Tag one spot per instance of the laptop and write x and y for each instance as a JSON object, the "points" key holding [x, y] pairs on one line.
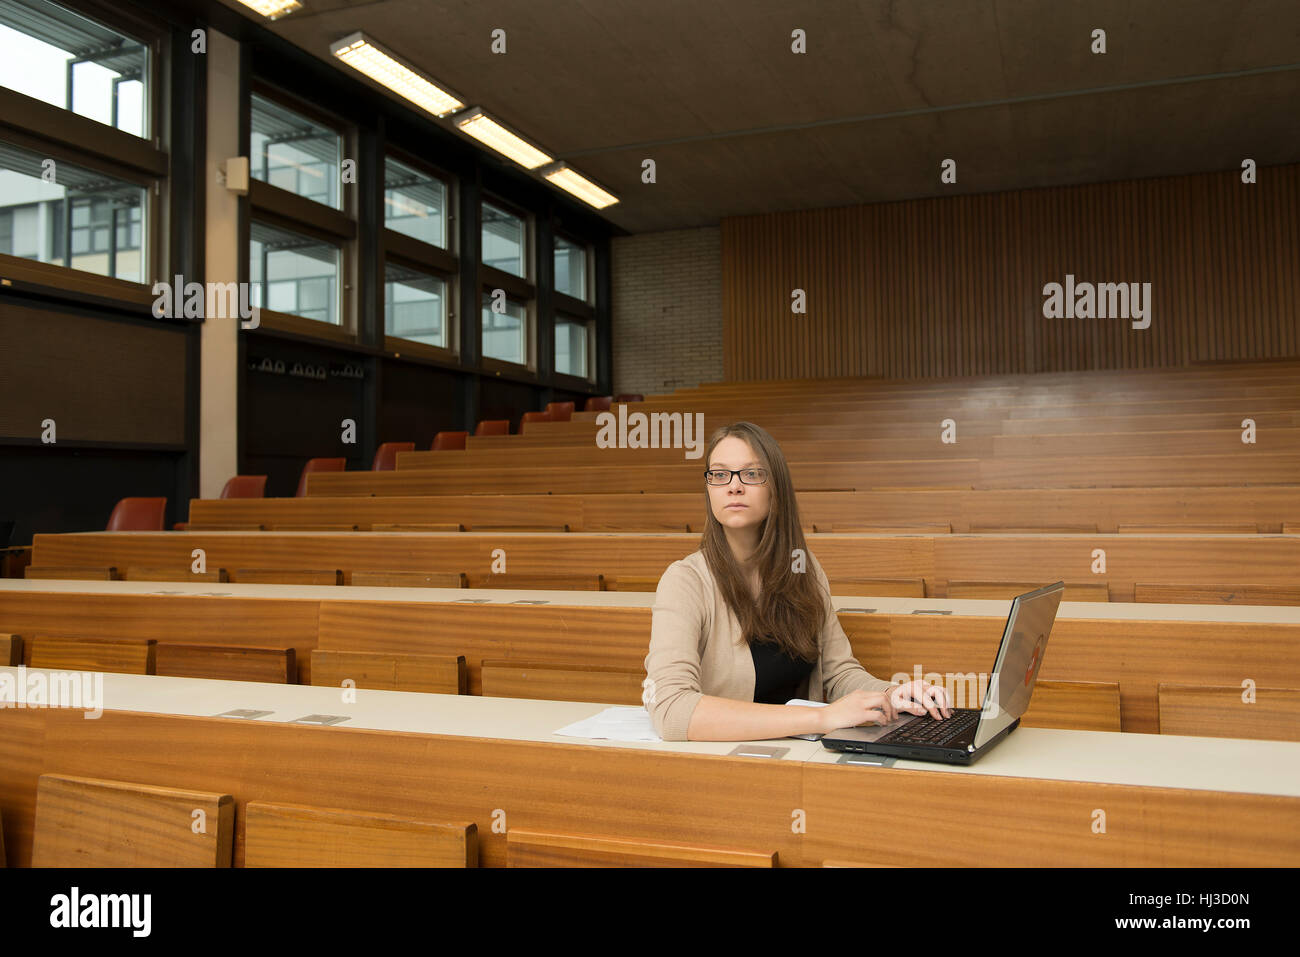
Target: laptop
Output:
{"points": [[970, 732]]}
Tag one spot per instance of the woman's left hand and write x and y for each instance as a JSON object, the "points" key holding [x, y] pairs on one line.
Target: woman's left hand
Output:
{"points": [[922, 697]]}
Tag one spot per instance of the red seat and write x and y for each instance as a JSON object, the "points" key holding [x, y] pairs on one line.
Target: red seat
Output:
{"points": [[598, 403], [138, 515], [493, 427], [630, 397], [386, 455], [318, 465], [533, 417], [245, 486], [560, 411], [449, 440]]}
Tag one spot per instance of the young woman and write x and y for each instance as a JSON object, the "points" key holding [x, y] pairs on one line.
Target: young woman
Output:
{"points": [[746, 623]]}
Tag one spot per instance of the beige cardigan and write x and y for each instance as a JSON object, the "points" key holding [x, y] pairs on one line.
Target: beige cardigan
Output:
{"points": [[697, 649]]}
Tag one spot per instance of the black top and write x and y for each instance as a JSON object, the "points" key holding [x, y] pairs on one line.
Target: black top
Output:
{"points": [[777, 676]]}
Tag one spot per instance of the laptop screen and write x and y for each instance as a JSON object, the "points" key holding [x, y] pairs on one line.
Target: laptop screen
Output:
{"points": [[1020, 656]]}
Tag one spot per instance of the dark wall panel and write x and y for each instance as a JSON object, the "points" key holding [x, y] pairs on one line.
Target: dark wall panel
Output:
{"points": [[99, 380], [417, 402]]}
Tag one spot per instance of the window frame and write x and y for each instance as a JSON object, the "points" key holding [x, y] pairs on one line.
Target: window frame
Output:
{"points": [[412, 253], [522, 289], [288, 210], [67, 137]]}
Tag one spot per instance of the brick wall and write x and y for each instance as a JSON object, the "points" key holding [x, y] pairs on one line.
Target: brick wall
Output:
{"points": [[667, 315]]}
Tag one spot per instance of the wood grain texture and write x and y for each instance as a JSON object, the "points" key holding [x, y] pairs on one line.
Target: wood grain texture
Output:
{"points": [[435, 674], [539, 849], [289, 576], [170, 573], [11, 649], [1265, 507], [986, 258], [409, 579], [547, 681], [1217, 594], [199, 619], [226, 663], [60, 653], [278, 835], [1139, 655], [1074, 591], [102, 573], [628, 793], [1221, 712], [966, 822], [89, 822]]}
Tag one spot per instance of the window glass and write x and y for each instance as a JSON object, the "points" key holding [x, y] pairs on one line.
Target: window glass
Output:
{"points": [[415, 203], [504, 332], [415, 305], [504, 244], [293, 273], [294, 153]]}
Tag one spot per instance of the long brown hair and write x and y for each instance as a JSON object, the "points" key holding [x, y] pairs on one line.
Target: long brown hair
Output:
{"points": [[790, 608]]}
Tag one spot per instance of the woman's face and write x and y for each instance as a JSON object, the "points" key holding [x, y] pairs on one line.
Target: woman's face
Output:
{"points": [[737, 505]]}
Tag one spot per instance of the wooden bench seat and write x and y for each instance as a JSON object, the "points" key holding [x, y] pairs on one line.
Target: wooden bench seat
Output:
{"points": [[289, 576], [526, 580]]}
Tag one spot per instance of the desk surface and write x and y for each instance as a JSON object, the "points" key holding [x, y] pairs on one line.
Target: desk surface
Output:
{"points": [[1122, 611], [1149, 760]]}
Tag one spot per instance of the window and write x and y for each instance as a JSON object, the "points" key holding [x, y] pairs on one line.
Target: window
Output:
{"points": [[571, 346], [504, 241], [68, 61], [83, 220], [294, 153], [415, 306], [415, 203], [570, 268], [505, 331], [294, 274]]}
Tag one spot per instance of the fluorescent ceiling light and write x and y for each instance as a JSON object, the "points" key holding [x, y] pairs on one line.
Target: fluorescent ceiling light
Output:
{"points": [[366, 56], [274, 9], [492, 134], [572, 181]]}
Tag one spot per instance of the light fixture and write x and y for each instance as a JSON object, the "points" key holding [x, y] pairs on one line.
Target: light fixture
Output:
{"points": [[493, 135], [571, 181], [272, 9], [366, 56]]}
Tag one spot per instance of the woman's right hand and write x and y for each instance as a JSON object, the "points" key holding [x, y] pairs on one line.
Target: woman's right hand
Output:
{"points": [[855, 708]]}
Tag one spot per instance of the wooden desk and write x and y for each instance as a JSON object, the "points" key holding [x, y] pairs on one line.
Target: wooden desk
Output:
{"points": [[1184, 801]]}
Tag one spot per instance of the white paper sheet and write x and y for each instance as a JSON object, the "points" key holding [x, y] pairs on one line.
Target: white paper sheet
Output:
{"points": [[614, 724]]}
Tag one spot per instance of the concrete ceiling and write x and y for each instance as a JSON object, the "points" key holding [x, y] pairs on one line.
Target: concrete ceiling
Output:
{"points": [[738, 124]]}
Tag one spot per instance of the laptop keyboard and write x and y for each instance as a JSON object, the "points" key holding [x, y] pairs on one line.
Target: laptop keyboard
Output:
{"points": [[929, 731]]}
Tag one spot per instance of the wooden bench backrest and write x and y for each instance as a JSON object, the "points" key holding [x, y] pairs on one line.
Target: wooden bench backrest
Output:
{"points": [[410, 579], [90, 822], [1139, 655], [540, 849], [227, 663], [555, 681], [128, 656], [281, 835], [436, 674], [1074, 591], [289, 576], [1217, 594], [94, 573], [1221, 712], [172, 573]]}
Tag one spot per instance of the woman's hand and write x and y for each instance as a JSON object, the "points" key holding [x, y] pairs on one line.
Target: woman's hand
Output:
{"points": [[921, 697], [855, 708]]}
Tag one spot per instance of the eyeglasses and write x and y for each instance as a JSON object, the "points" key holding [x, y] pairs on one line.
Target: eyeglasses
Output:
{"points": [[747, 476]]}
